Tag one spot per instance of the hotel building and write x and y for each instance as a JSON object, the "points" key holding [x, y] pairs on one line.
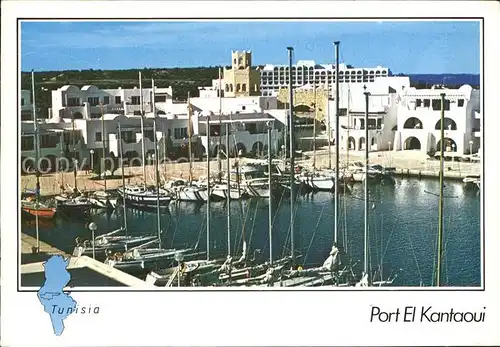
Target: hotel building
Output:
{"points": [[419, 120], [275, 77]]}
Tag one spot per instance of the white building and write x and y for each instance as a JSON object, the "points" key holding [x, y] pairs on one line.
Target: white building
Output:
{"points": [[419, 121], [70, 101], [26, 105], [247, 133], [274, 77], [212, 91], [56, 140]]}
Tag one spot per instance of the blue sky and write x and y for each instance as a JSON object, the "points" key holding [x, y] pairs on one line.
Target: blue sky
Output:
{"points": [[408, 47]]}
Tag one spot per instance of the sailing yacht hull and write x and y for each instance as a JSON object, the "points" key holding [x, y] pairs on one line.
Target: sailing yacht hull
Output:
{"points": [[41, 212], [148, 260], [145, 199], [73, 206], [319, 183], [116, 244], [103, 203], [221, 193], [192, 194], [196, 267]]}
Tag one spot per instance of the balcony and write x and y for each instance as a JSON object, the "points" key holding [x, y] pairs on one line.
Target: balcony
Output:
{"points": [[370, 127]]}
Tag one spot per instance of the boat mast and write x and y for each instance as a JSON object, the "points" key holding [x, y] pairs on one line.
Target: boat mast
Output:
{"points": [[123, 179], [269, 180], [75, 163], [208, 186], [219, 162], [329, 130], [365, 268], [103, 171], [37, 173], [292, 159], [142, 130], [441, 200], [337, 144], [228, 198], [348, 123], [164, 135], [314, 125], [189, 140], [157, 173]]}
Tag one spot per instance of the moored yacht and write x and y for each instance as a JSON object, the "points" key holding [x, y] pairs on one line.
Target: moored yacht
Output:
{"points": [[187, 191], [141, 196], [472, 181]]}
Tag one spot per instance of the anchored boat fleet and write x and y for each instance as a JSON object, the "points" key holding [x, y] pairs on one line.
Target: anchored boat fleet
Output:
{"points": [[144, 254]]}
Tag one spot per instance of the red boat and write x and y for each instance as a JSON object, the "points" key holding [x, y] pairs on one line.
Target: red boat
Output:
{"points": [[42, 211]]}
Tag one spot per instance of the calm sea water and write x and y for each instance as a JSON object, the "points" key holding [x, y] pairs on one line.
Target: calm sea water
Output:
{"points": [[403, 223]]}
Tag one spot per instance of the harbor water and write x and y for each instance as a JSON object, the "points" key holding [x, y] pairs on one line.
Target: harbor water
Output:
{"points": [[403, 225]]}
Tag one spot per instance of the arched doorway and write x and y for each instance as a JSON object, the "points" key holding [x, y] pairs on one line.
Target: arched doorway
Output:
{"points": [[450, 145], [361, 143], [219, 148], [412, 143], [413, 123], [239, 149], [351, 143], [257, 148], [132, 158], [449, 124]]}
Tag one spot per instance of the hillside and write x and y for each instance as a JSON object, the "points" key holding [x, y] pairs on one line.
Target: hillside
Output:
{"points": [[182, 80]]}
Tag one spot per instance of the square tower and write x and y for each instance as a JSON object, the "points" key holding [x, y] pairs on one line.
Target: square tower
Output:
{"points": [[240, 79]]}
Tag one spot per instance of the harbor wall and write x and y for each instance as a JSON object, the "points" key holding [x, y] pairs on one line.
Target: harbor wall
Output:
{"points": [[407, 164]]}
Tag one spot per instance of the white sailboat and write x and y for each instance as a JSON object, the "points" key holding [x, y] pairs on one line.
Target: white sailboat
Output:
{"points": [[366, 277], [112, 241], [140, 258], [188, 190]]}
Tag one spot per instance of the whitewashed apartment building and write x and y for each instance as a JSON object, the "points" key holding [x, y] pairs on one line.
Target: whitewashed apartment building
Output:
{"points": [[89, 102], [419, 121], [382, 113], [26, 105], [274, 77]]}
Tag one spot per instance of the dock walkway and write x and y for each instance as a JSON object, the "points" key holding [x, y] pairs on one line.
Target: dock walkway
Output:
{"points": [[29, 254]]}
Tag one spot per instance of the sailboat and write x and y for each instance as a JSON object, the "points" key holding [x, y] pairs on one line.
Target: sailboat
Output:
{"points": [[267, 272], [103, 199], [191, 269], [332, 270], [143, 196], [112, 241], [140, 258], [31, 204], [74, 204], [366, 276], [188, 191]]}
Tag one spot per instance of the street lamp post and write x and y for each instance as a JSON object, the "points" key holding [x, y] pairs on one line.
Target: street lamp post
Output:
{"points": [[179, 257], [93, 227], [92, 160]]}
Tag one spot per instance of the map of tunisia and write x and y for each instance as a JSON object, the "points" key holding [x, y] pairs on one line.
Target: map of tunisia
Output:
{"points": [[56, 303]]}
